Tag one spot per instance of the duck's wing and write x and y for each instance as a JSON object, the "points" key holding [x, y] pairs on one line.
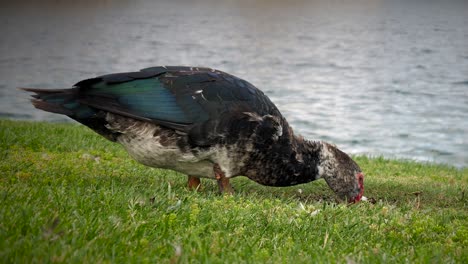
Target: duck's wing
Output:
{"points": [[201, 102]]}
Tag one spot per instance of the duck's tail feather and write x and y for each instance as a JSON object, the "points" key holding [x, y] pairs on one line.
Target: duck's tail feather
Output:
{"points": [[60, 101], [68, 102]]}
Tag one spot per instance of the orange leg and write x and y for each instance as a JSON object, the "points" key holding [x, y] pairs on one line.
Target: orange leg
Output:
{"points": [[223, 182], [193, 183]]}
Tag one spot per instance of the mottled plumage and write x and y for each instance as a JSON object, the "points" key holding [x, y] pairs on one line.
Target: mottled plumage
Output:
{"points": [[204, 123]]}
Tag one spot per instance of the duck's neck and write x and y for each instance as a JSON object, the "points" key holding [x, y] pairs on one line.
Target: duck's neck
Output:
{"points": [[287, 163]]}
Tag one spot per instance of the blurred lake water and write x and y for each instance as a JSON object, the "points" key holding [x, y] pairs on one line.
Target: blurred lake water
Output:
{"points": [[374, 77]]}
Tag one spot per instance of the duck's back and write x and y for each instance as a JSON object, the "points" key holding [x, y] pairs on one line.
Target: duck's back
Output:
{"points": [[200, 102]]}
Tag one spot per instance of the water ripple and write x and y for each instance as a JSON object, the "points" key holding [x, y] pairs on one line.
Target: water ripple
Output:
{"points": [[367, 78]]}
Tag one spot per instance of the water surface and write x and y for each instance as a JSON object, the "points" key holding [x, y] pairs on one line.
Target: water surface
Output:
{"points": [[373, 77]]}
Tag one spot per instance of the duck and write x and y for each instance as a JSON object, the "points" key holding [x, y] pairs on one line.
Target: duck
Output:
{"points": [[204, 123]]}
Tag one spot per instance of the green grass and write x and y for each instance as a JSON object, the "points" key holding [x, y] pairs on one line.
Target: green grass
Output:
{"points": [[69, 196]]}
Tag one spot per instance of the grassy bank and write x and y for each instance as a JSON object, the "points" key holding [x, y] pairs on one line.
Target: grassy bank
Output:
{"points": [[68, 195]]}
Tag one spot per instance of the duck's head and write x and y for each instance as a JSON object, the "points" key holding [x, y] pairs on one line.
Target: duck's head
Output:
{"points": [[341, 173]]}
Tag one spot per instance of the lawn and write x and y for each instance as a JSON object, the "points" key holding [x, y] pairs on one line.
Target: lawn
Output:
{"points": [[69, 196]]}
